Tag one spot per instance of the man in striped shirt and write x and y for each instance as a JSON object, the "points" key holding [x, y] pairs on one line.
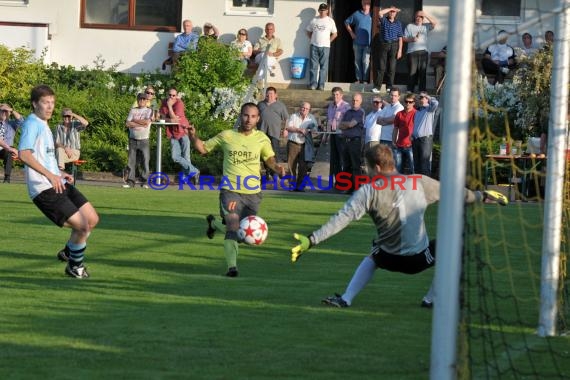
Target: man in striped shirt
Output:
{"points": [[391, 42]]}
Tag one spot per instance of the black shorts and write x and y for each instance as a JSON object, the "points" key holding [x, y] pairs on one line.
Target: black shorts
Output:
{"points": [[237, 203], [405, 264], [60, 207]]}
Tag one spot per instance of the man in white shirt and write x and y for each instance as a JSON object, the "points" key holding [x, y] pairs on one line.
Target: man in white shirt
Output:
{"points": [[416, 35], [499, 58], [298, 126], [322, 31], [371, 127], [387, 115]]}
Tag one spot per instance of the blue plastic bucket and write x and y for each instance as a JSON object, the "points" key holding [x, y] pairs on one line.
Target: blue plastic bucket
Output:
{"points": [[298, 67]]}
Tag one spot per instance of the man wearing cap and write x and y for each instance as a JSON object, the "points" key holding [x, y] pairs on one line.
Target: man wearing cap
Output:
{"points": [[499, 58], [67, 142], [422, 136], [322, 31], [138, 122], [8, 129]]}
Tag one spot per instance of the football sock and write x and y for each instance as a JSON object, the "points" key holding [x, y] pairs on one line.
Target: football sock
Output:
{"points": [[231, 252], [76, 252], [218, 225], [429, 295], [361, 277]]}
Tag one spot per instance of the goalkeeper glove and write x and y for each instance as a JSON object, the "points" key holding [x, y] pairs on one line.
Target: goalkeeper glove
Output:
{"points": [[495, 196], [298, 250]]}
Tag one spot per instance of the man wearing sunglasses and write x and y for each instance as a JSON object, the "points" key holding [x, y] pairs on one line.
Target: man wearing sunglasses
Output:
{"points": [[67, 141], [8, 129]]}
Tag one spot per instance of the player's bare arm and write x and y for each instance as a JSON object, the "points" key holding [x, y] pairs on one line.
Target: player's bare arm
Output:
{"points": [[272, 164], [198, 144]]}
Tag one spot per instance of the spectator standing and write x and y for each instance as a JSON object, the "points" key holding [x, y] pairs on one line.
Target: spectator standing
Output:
{"points": [[172, 110], [67, 140], [236, 200], [499, 58], [151, 101], [402, 135], [359, 26], [188, 40], [321, 31], [49, 189], [273, 115], [528, 49], [424, 129], [335, 112], [352, 127], [416, 35], [8, 129], [299, 125], [138, 122], [387, 116], [273, 53], [391, 43], [371, 126], [439, 68], [243, 46]]}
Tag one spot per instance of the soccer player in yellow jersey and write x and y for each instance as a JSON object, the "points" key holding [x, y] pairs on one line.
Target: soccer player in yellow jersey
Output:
{"points": [[240, 189]]}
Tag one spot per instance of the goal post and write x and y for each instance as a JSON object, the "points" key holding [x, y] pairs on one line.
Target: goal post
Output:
{"points": [[557, 145]]}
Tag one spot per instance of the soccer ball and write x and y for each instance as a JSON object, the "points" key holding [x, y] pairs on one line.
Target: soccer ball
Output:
{"points": [[253, 230]]}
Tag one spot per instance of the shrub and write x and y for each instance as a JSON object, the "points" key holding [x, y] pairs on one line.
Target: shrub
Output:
{"points": [[19, 73]]}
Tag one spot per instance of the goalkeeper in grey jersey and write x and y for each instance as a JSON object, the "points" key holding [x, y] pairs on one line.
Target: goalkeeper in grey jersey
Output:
{"points": [[396, 203]]}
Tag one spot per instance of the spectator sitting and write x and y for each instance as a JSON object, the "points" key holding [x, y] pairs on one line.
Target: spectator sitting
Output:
{"points": [[548, 40], [67, 142], [243, 46], [439, 68], [274, 52], [184, 41], [499, 58], [527, 49], [210, 31]]}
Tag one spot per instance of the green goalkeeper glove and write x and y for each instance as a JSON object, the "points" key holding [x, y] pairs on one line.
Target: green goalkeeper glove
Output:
{"points": [[495, 196], [298, 250]]}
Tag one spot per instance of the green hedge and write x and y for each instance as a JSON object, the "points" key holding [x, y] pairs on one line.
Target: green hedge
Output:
{"points": [[210, 81]]}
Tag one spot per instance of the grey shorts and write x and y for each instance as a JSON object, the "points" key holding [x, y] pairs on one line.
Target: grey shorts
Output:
{"points": [[237, 203]]}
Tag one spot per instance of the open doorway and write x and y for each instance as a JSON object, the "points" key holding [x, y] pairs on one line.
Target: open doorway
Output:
{"points": [[341, 64]]}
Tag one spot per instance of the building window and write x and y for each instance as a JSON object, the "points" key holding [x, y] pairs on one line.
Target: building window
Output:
{"points": [[251, 3], [14, 3], [163, 15], [504, 10], [249, 7]]}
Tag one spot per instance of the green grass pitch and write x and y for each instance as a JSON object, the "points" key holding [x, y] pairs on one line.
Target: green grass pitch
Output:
{"points": [[157, 305]]}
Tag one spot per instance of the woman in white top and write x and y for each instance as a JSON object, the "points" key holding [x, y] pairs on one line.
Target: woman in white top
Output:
{"points": [[242, 44]]}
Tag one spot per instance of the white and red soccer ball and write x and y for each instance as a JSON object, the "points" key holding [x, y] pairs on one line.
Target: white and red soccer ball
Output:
{"points": [[253, 230]]}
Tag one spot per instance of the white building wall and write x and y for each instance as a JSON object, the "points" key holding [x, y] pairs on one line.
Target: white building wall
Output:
{"points": [[144, 51]]}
